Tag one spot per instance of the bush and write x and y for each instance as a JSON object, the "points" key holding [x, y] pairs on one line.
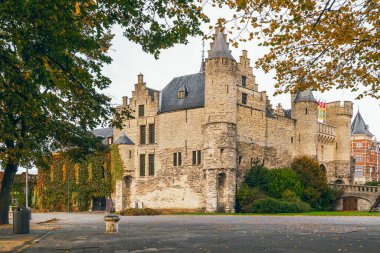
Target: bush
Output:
{"points": [[139, 212], [314, 180], [246, 196], [282, 180], [258, 176], [272, 205]]}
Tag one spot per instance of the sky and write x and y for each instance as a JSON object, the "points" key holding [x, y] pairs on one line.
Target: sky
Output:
{"points": [[129, 60]]}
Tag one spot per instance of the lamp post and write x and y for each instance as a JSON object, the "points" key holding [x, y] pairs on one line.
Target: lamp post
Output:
{"points": [[26, 187]]}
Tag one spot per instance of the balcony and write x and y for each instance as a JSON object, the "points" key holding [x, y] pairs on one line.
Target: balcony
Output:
{"points": [[326, 133]]}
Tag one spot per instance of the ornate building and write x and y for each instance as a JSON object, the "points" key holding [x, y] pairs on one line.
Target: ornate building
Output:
{"points": [[190, 145], [365, 150]]}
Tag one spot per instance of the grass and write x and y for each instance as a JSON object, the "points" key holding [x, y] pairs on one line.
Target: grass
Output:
{"points": [[321, 213]]}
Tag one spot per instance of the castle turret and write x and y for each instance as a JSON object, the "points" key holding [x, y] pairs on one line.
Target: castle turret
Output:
{"points": [[219, 141], [339, 115], [305, 112]]}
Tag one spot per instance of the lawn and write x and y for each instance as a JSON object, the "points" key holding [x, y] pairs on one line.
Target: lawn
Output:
{"points": [[322, 213]]}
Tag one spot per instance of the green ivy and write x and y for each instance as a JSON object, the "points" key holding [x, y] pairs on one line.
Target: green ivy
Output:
{"points": [[58, 194], [116, 165]]}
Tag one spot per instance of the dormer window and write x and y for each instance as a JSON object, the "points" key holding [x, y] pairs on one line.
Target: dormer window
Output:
{"points": [[182, 92], [110, 140]]}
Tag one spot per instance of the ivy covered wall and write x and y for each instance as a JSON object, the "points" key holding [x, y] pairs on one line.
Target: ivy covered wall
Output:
{"points": [[69, 185]]}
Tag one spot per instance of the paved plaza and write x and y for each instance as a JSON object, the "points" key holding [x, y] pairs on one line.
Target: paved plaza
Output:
{"points": [[84, 232]]}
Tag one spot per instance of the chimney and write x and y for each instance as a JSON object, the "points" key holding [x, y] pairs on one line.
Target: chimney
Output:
{"points": [[125, 100]]}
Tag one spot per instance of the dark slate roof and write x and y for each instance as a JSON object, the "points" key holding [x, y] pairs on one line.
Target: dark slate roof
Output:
{"points": [[288, 113], [220, 48], [268, 113], [195, 98], [151, 93], [103, 132], [123, 139], [305, 96], [359, 127]]}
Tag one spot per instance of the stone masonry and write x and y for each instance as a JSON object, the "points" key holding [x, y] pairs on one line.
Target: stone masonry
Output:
{"points": [[191, 144]]}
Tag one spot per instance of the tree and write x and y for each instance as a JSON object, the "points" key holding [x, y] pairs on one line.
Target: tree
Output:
{"points": [[319, 44], [51, 59], [316, 191]]}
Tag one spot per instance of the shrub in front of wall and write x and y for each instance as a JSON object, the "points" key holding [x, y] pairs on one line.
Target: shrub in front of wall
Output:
{"points": [[139, 212], [246, 196], [281, 180], [272, 205]]}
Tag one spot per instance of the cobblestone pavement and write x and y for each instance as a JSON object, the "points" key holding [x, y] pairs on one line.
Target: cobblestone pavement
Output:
{"points": [[84, 232]]}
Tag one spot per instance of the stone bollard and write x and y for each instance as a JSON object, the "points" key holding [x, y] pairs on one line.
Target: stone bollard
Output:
{"points": [[10, 215], [112, 223]]}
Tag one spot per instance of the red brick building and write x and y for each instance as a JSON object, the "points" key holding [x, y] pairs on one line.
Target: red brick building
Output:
{"points": [[365, 151]]}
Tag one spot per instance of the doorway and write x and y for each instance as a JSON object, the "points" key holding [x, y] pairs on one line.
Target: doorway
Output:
{"points": [[350, 204]]}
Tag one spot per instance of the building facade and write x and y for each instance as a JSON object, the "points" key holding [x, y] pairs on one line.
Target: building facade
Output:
{"points": [[365, 151], [189, 145]]}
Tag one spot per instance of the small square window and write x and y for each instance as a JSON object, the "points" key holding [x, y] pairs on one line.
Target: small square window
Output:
{"points": [[181, 94]]}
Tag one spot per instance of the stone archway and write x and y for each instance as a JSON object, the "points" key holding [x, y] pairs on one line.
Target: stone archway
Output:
{"points": [[323, 168], [339, 181], [221, 192]]}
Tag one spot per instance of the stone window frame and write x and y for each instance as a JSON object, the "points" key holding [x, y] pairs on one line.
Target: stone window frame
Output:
{"points": [[142, 165], [141, 110], [151, 160], [244, 98], [197, 157], [142, 134], [244, 81], [177, 159], [151, 131]]}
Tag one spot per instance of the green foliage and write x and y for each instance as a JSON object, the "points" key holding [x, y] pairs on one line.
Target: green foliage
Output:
{"points": [[116, 165], [258, 176], [281, 180], [298, 189], [372, 183], [139, 212], [58, 194], [51, 58], [246, 196], [273, 205], [316, 191]]}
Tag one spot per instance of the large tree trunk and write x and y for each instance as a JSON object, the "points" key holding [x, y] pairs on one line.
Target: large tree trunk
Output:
{"points": [[5, 192]]}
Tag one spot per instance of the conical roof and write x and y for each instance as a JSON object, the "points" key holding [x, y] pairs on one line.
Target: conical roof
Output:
{"points": [[359, 126], [220, 48], [305, 96], [123, 139]]}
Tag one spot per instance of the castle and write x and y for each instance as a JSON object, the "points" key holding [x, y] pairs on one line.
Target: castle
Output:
{"points": [[190, 145]]}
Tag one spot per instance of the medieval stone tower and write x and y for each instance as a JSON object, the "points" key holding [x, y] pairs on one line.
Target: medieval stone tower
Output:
{"points": [[219, 139], [305, 112], [340, 114]]}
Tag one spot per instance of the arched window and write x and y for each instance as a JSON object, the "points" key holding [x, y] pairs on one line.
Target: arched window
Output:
{"points": [[104, 165], [51, 173], [64, 173], [76, 169], [89, 171]]}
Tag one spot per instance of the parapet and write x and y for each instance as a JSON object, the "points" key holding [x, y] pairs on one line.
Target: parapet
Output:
{"points": [[340, 108]]}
